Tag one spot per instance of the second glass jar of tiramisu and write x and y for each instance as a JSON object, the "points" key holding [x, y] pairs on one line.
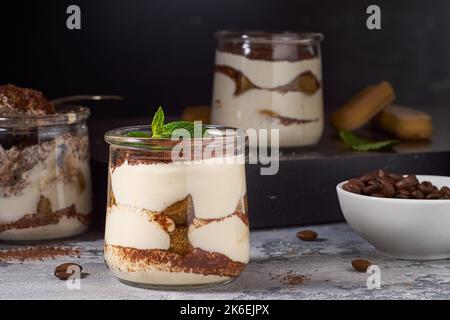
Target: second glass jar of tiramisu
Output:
{"points": [[176, 223], [270, 81], [45, 182]]}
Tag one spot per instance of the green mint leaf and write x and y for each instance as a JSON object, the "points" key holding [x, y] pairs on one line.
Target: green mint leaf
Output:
{"points": [[158, 123], [360, 144], [170, 127], [375, 145], [138, 134]]}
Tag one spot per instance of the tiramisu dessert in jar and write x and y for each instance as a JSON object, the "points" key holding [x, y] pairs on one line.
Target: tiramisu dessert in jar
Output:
{"points": [[270, 81], [176, 223], [45, 183]]}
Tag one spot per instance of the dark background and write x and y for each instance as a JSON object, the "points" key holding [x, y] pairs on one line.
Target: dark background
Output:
{"points": [[162, 52]]}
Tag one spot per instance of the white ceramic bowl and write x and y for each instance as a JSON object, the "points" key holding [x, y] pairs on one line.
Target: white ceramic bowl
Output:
{"points": [[401, 228]]}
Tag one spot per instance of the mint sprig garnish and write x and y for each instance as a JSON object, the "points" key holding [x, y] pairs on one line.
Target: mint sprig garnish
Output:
{"points": [[165, 130], [162, 130], [361, 144], [158, 123]]}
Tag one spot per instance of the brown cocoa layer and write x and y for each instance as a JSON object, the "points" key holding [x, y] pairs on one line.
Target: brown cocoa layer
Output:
{"points": [[43, 217], [286, 121], [23, 157], [198, 261], [25, 101], [306, 82], [201, 222], [37, 253], [270, 51]]}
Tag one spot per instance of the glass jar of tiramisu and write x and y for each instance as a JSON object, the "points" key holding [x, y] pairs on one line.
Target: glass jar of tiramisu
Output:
{"points": [[176, 218], [270, 81], [45, 182]]}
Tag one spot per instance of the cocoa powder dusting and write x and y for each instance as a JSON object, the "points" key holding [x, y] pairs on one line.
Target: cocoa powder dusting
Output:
{"points": [[196, 261], [285, 120], [290, 278], [37, 253], [305, 82]]}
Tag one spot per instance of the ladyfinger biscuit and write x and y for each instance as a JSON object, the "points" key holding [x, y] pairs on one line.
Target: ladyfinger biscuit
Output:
{"points": [[405, 123], [363, 107]]}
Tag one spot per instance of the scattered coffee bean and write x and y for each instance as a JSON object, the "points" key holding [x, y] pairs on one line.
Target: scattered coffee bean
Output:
{"points": [[361, 265], [307, 235], [384, 184], [62, 271]]}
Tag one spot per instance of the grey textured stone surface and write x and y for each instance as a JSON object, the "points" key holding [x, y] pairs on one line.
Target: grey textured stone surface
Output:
{"points": [[326, 262]]}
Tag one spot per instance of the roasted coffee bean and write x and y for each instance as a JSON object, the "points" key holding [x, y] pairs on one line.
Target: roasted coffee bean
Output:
{"points": [[361, 265], [371, 188], [388, 189], [411, 180], [65, 270], [395, 177], [351, 187], [417, 194], [384, 184], [307, 235], [357, 182], [426, 187], [402, 185], [404, 192], [445, 191], [369, 176], [433, 195], [381, 173]]}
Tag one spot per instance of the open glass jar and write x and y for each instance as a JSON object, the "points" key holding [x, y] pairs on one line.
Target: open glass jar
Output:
{"points": [[176, 222], [270, 81], [45, 182]]}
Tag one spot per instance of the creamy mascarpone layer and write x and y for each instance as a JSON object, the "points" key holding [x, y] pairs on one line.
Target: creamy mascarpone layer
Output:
{"points": [[151, 275], [215, 188], [66, 227], [228, 236], [47, 182], [269, 74], [133, 227], [244, 111]]}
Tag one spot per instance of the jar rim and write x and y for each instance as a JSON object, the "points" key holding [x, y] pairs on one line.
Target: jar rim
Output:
{"points": [[256, 36], [66, 114], [118, 137]]}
